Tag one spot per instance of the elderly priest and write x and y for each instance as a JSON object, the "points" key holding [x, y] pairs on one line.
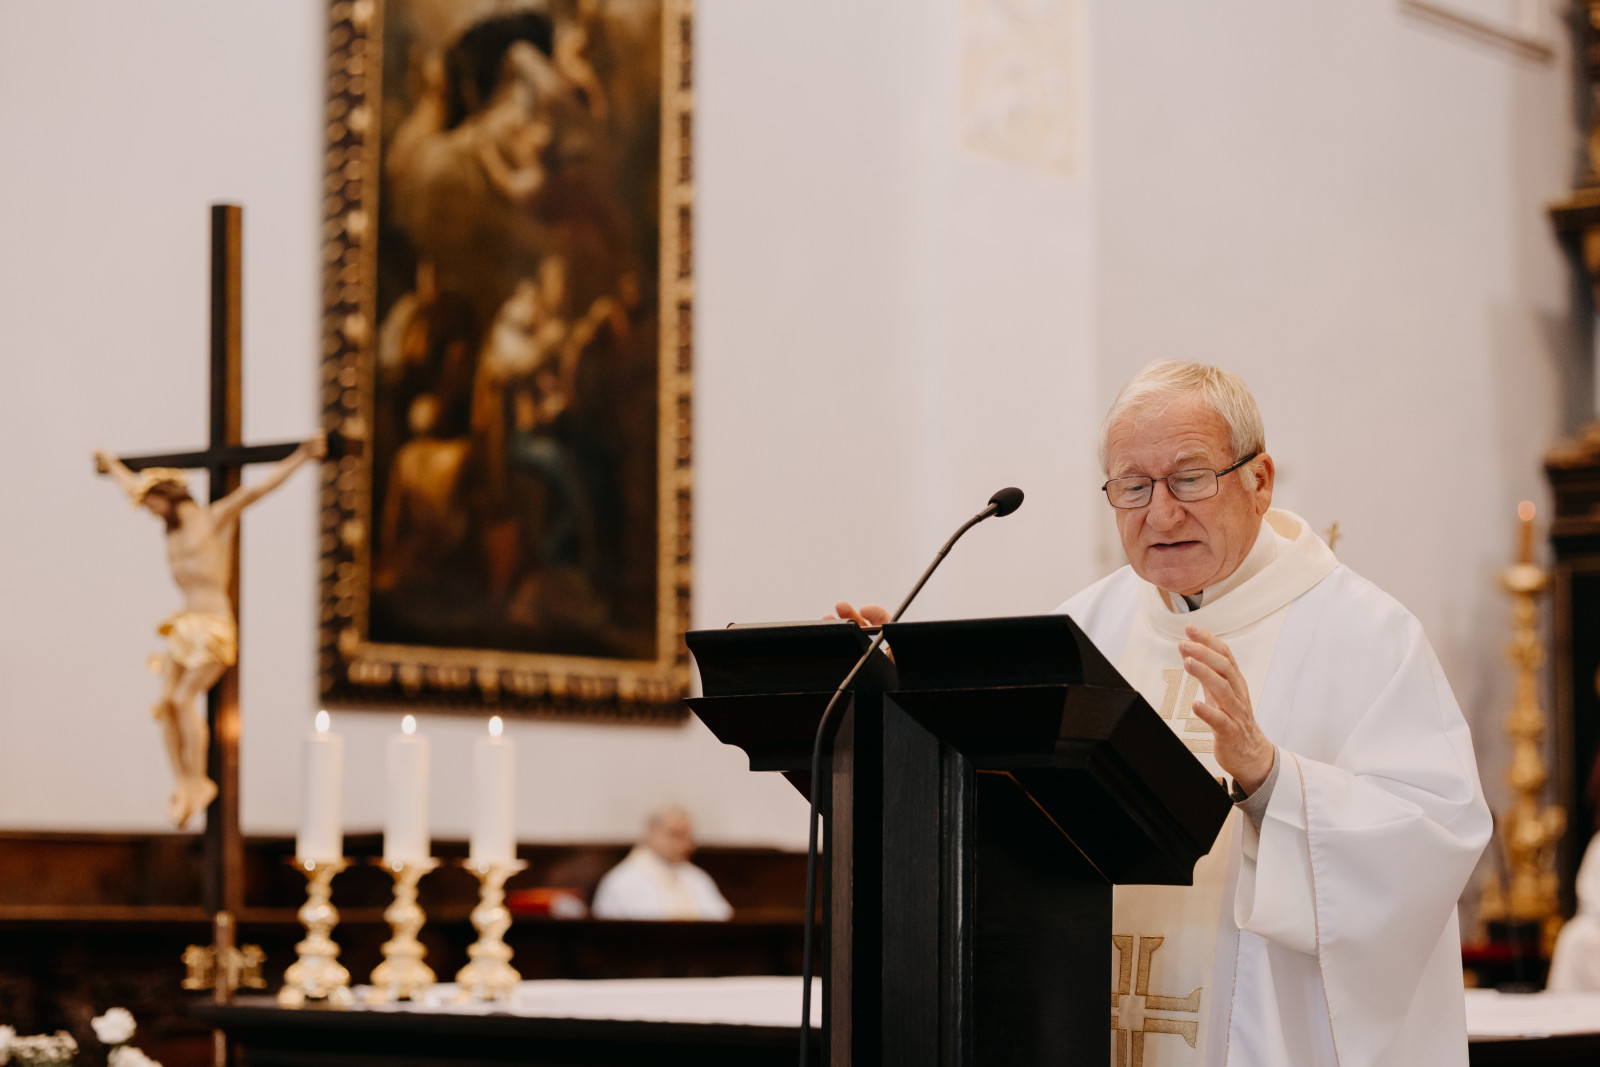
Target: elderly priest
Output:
{"points": [[1321, 928]]}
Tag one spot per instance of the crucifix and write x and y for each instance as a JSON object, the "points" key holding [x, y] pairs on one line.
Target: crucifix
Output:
{"points": [[202, 639]]}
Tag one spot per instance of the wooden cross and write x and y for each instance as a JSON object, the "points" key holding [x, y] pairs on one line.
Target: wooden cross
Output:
{"points": [[224, 459]]}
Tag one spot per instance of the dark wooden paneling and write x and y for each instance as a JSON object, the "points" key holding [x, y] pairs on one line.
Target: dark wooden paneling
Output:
{"points": [[1042, 910], [1575, 647], [910, 904]]}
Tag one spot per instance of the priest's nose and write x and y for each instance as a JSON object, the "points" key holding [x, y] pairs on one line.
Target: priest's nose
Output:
{"points": [[1164, 510]]}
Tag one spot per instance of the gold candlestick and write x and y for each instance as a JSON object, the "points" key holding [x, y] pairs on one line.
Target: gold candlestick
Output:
{"points": [[1528, 831], [402, 974], [316, 974], [490, 975]]}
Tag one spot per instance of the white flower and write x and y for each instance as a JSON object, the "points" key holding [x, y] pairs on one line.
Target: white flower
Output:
{"points": [[57, 1048], [6, 1034], [115, 1027], [128, 1056]]}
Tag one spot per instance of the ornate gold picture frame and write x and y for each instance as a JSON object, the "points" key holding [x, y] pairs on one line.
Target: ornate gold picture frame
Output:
{"points": [[506, 356]]}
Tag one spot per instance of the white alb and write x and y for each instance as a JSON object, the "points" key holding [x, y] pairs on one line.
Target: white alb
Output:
{"points": [[1329, 935]]}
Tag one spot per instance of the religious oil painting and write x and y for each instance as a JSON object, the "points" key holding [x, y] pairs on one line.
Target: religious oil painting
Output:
{"points": [[506, 356]]}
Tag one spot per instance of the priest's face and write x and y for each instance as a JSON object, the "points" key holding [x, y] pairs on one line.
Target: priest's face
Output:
{"points": [[1185, 546]]}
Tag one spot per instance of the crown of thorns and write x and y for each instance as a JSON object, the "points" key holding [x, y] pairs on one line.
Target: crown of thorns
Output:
{"points": [[151, 477]]}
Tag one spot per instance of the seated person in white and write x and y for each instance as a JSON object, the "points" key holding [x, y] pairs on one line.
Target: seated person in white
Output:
{"points": [[1575, 967], [657, 881]]}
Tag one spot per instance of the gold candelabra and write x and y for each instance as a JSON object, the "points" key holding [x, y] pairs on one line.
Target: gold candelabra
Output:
{"points": [[1528, 831], [402, 975], [490, 975], [316, 973]]}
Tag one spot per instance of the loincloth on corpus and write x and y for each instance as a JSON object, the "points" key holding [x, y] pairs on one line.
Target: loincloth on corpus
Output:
{"points": [[196, 639]]}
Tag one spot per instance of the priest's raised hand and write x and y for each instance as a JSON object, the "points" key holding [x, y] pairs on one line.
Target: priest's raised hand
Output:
{"points": [[1242, 750], [868, 615]]}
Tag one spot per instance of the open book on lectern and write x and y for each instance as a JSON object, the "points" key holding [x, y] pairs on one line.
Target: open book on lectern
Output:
{"points": [[1026, 696]]}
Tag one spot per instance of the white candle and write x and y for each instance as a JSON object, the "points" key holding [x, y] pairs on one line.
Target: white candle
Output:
{"points": [[1525, 512], [405, 834], [494, 773], [321, 834]]}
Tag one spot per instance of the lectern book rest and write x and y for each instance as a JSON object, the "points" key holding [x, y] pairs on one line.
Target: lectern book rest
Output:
{"points": [[984, 791]]}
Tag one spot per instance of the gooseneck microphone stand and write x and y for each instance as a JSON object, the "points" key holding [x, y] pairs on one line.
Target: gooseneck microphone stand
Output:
{"points": [[1002, 503]]}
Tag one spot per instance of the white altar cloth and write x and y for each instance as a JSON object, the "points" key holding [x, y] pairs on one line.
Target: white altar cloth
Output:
{"points": [[775, 1001], [1492, 1015], [757, 1001]]}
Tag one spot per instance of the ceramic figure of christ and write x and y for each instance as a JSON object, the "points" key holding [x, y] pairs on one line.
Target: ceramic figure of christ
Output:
{"points": [[202, 636]]}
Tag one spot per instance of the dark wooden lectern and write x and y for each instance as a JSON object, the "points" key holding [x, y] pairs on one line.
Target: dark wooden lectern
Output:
{"points": [[984, 792]]}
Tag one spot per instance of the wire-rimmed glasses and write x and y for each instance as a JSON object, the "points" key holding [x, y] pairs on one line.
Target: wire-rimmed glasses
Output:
{"points": [[1197, 483]]}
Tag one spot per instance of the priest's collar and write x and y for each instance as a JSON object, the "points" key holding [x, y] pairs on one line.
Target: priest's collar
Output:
{"points": [[1291, 560], [1262, 553]]}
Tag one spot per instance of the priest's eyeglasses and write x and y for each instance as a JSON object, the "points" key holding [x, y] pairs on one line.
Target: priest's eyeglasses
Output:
{"points": [[1197, 483]]}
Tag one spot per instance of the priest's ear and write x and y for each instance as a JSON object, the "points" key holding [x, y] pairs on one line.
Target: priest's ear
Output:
{"points": [[1259, 474]]}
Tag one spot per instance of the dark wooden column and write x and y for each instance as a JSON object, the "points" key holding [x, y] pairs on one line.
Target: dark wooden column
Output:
{"points": [[1574, 472]]}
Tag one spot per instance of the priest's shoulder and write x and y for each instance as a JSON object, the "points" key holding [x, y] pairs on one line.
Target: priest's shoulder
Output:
{"points": [[1114, 588], [1361, 610]]}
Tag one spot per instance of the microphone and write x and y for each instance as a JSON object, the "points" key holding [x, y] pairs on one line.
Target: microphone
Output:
{"points": [[1006, 501], [1001, 504]]}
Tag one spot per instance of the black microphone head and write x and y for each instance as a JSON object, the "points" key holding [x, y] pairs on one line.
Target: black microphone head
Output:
{"points": [[1006, 500]]}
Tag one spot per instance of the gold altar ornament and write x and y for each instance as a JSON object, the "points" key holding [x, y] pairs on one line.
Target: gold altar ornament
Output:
{"points": [[222, 966], [317, 974], [1528, 832], [490, 975], [402, 975]]}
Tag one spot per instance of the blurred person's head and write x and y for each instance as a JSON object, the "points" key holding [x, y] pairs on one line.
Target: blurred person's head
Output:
{"points": [[669, 835]]}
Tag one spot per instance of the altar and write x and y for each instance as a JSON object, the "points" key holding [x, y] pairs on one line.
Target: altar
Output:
{"points": [[607, 1023], [1543, 1028], [713, 1021]]}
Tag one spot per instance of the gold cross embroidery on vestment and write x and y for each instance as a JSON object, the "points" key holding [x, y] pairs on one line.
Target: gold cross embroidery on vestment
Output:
{"points": [[1178, 702], [1132, 1003]]}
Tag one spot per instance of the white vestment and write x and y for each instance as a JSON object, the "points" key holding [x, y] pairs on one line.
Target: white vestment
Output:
{"points": [[1575, 967], [1329, 935], [645, 886]]}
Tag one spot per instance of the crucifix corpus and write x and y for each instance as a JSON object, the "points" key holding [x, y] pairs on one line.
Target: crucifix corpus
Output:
{"points": [[203, 551], [202, 637]]}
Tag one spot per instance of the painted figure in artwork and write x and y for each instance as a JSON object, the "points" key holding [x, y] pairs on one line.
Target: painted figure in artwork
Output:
{"points": [[516, 386], [202, 637], [527, 380]]}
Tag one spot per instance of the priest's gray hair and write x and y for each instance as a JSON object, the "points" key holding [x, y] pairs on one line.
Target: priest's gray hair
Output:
{"points": [[1164, 381], [665, 812]]}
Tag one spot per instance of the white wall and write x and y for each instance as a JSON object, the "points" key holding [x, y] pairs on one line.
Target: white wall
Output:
{"points": [[1344, 205], [1347, 206], [890, 329], [121, 123]]}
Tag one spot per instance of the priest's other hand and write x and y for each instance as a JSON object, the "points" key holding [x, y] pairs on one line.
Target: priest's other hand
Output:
{"points": [[869, 615], [1242, 750]]}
